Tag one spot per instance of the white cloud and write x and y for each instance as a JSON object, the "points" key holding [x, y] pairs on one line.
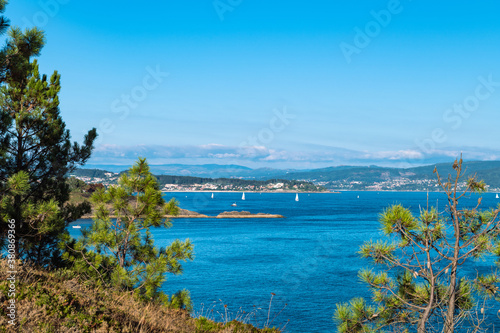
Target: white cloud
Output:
{"points": [[395, 155], [310, 156]]}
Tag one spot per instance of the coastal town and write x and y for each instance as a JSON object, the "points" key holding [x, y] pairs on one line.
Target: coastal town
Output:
{"points": [[398, 184], [190, 184], [271, 187]]}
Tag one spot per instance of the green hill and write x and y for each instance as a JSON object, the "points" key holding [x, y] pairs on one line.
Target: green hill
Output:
{"points": [[338, 177], [415, 178]]}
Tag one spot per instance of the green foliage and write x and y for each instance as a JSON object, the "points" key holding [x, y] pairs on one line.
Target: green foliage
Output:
{"points": [[4, 25], [76, 184], [397, 219], [17, 184], [417, 282], [91, 173], [204, 325], [35, 142], [119, 250], [351, 315], [476, 186], [181, 300], [380, 252]]}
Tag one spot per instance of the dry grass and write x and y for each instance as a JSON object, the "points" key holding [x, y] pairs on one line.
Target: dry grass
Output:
{"points": [[77, 197], [58, 301], [258, 316]]}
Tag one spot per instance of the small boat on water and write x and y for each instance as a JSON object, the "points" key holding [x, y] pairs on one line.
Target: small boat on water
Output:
{"points": [[233, 204], [297, 197], [212, 195], [243, 196], [77, 227]]}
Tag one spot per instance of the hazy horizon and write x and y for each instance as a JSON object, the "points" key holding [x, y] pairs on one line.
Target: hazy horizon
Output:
{"points": [[127, 166]]}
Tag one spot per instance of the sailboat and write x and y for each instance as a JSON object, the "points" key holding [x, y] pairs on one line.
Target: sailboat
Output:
{"points": [[212, 195], [497, 195], [243, 196], [297, 197]]}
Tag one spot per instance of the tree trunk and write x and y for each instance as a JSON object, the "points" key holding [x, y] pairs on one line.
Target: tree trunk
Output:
{"points": [[425, 315], [423, 321], [449, 324]]}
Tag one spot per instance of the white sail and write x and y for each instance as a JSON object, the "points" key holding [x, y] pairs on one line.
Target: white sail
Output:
{"points": [[243, 196], [212, 195], [297, 197]]}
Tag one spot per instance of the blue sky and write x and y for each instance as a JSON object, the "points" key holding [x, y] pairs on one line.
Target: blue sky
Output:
{"points": [[298, 84]]}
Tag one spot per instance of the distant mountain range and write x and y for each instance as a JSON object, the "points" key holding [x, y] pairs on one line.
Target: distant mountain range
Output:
{"points": [[384, 178], [203, 170], [484, 169], [338, 177]]}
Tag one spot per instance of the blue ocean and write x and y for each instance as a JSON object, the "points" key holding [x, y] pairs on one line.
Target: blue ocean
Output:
{"points": [[291, 272]]}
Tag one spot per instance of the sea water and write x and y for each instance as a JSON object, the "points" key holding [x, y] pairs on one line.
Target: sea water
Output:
{"points": [[288, 272]]}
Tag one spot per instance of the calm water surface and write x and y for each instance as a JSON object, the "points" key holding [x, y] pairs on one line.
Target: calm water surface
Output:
{"points": [[308, 259]]}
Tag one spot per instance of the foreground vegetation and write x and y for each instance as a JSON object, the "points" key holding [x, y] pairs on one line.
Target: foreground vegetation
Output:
{"points": [[418, 282], [60, 300], [119, 251]]}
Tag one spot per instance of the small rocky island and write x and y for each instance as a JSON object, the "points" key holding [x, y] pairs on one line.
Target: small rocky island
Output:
{"points": [[184, 213], [244, 214]]}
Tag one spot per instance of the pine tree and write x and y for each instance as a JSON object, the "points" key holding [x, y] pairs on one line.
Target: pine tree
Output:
{"points": [[4, 25], [34, 141], [418, 284], [119, 250]]}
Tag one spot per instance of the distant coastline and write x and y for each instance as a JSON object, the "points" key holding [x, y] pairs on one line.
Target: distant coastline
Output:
{"points": [[240, 191], [205, 178]]}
